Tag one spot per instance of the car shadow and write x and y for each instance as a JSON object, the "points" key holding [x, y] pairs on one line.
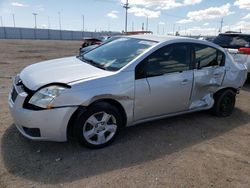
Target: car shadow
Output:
{"points": [[53, 163]]}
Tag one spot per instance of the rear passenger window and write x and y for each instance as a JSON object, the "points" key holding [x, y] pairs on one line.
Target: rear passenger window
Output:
{"points": [[206, 56]]}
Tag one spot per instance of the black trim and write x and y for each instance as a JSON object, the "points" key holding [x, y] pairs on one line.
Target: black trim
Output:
{"points": [[34, 132]]}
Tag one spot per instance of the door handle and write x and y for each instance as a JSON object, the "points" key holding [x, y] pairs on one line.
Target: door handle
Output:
{"points": [[184, 82], [216, 75]]}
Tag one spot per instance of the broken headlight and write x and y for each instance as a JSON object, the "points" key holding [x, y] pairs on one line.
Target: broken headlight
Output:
{"points": [[44, 97]]}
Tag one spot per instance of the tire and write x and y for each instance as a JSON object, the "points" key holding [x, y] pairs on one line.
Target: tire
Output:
{"points": [[98, 126], [224, 103]]}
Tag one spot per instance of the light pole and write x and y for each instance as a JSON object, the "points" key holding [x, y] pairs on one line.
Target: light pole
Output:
{"points": [[14, 21], [158, 28], [1, 21], [147, 23], [221, 25], [173, 29], [126, 6], [35, 14], [83, 25], [60, 24], [48, 22], [59, 20]]}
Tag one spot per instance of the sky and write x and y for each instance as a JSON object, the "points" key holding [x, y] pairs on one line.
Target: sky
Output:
{"points": [[196, 17]]}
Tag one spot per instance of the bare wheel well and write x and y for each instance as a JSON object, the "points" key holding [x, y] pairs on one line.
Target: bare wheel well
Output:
{"points": [[70, 128]]}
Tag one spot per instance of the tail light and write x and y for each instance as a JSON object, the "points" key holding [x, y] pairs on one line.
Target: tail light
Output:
{"points": [[244, 50]]}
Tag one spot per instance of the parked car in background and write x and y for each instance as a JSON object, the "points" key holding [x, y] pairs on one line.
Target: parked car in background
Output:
{"points": [[207, 38], [93, 42], [88, 48], [129, 80], [237, 44]]}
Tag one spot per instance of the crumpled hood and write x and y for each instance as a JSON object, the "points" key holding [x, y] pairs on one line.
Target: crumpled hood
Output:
{"points": [[64, 70]]}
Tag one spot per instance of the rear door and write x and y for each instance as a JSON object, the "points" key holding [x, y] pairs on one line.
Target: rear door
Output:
{"points": [[209, 73]]}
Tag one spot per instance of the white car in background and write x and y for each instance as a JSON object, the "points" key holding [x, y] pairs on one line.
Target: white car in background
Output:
{"points": [[238, 45]]}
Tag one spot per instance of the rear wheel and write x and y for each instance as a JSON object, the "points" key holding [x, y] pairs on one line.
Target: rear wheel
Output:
{"points": [[224, 103], [98, 126]]}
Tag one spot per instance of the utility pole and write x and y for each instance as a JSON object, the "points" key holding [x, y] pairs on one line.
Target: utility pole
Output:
{"points": [[35, 14], [221, 25], [14, 21], [126, 6]]}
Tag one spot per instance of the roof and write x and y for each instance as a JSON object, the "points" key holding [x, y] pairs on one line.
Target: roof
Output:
{"points": [[157, 38], [238, 34]]}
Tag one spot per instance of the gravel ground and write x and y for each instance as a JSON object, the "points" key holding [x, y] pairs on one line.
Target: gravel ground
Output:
{"points": [[194, 150]]}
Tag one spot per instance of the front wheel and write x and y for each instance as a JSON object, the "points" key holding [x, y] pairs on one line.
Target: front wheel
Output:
{"points": [[98, 126], [224, 103]]}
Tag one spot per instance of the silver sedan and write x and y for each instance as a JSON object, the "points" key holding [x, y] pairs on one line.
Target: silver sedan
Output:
{"points": [[129, 80]]}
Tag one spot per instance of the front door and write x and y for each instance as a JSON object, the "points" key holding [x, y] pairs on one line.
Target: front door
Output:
{"points": [[163, 82]]}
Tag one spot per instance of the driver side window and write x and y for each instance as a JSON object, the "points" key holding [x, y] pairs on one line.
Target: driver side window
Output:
{"points": [[168, 59]]}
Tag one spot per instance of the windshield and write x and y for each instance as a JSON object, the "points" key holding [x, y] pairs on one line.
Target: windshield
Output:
{"points": [[117, 53]]}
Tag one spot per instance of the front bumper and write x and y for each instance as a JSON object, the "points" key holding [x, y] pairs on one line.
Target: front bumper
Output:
{"points": [[49, 125]]}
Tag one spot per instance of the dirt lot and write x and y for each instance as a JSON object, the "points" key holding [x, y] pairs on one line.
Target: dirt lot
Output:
{"points": [[195, 150]]}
